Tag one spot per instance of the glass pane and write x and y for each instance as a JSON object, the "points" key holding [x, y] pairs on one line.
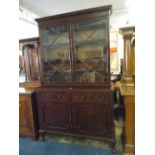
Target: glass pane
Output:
{"points": [[91, 52], [22, 76], [55, 42]]}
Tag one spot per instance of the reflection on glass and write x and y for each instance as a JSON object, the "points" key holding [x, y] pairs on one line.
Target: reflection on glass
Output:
{"points": [[90, 50], [56, 47], [22, 77]]}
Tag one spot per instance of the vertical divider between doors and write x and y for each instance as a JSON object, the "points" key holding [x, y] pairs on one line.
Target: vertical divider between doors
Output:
{"points": [[73, 51], [72, 78], [69, 26]]}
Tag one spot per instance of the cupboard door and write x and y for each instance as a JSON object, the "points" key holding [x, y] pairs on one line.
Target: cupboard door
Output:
{"points": [[54, 116], [91, 51], [26, 119], [53, 111], [92, 115], [56, 54], [23, 117], [91, 119]]}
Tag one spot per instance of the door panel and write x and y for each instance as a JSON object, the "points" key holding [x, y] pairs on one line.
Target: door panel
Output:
{"points": [[92, 112], [54, 116], [91, 119], [25, 116]]}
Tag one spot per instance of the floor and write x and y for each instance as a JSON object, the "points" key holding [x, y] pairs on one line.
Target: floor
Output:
{"points": [[58, 145], [119, 146]]}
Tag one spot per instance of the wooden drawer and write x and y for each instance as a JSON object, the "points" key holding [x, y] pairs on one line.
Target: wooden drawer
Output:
{"points": [[54, 96], [91, 97]]}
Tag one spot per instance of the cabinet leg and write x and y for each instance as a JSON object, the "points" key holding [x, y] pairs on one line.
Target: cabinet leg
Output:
{"points": [[42, 135], [113, 147], [34, 137]]}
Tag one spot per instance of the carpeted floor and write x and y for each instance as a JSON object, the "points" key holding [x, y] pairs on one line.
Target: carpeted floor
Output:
{"points": [[29, 147]]}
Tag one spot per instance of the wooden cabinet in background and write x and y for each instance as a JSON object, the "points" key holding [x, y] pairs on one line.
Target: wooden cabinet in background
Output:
{"points": [[127, 87], [30, 50], [128, 34], [27, 118], [128, 95], [129, 101]]}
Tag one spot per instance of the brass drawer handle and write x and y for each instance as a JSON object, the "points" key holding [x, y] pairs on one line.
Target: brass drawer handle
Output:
{"points": [[82, 97], [59, 96]]}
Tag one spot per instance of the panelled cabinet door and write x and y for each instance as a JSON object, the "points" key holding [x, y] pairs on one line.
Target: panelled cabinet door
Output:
{"points": [[23, 117], [53, 111], [54, 116], [92, 114], [26, 120]]}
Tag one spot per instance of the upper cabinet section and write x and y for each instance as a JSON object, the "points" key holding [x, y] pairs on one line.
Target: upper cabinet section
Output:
{"points": [[75, 47]]}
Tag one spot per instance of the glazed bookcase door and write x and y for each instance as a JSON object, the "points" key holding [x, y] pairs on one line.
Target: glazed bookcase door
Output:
{"points": [[56, 57], [91, 51]]}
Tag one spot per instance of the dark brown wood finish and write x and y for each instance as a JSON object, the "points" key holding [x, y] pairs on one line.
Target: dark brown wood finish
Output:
{"points": [[53, 109], [76, 108], [77, 111], [71, 19], [91, 112], [27, 118]]}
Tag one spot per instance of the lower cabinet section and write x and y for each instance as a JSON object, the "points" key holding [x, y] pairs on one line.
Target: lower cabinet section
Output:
{"points": [[83, 112], [27, 125]]}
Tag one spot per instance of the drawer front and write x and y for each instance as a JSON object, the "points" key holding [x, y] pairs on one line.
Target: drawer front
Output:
{"points": [[91, 97], [54, 96]]}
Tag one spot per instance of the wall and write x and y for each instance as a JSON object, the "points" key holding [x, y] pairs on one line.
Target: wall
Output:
{"points": [[27, 26], [118, 19]]}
